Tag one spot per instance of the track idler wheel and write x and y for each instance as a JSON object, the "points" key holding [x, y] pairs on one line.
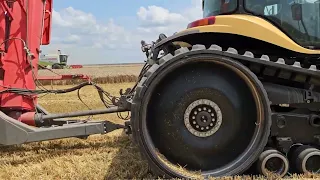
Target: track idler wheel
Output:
{"points": [[205, 113], [305, 159], [272, 161]]}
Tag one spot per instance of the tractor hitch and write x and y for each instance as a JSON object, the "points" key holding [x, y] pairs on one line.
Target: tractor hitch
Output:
{"points": [[78, 129], [43, 126]]}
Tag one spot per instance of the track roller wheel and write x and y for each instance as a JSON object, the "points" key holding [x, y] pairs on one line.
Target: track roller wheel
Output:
{"points": [[305, 159], [272, 161], [205, 113]]}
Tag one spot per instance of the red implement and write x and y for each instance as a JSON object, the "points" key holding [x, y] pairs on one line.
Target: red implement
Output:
{"points": [[76, 66], [25, 25]]}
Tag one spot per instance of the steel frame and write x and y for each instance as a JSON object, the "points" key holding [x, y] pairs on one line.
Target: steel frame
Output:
{"points": [[13, 132]]}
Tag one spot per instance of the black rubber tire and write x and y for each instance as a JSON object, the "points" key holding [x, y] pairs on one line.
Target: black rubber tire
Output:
{"points": [[162, 95], [56, 66]]}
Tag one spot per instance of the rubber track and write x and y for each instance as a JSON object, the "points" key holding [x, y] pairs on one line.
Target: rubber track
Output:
{"points": [[259, 66], [262, 66], [248, 57]]}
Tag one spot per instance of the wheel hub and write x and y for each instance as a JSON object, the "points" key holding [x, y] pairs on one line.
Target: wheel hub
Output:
{"points": [[203, 118]]}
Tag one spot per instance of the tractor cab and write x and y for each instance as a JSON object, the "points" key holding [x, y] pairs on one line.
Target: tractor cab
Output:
{"points": [[298, 19]]}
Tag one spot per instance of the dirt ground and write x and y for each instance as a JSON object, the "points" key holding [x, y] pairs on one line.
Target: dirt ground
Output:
{"points": [[111, 156]]}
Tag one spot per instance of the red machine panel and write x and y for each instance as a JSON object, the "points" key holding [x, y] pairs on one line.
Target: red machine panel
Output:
{"points": [[24, 25]]}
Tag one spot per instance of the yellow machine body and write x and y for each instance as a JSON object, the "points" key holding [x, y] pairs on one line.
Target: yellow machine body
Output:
{"points": [[253, 27]]}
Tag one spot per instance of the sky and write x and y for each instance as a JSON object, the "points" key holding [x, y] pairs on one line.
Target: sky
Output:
{"points": [[110, 31]]}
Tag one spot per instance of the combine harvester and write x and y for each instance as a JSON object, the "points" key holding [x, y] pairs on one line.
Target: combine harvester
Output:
{"points": [[237, 90], [56, 61]]}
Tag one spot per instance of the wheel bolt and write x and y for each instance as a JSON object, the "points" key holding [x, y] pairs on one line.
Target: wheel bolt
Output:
{"points": [[211, 124], [204, 120], [197, 126], [193, 117], [207, 127], [194, 122], [199, 109], [195, 112], [209, 110], [204, 109], [202, 128], [212, 114]]}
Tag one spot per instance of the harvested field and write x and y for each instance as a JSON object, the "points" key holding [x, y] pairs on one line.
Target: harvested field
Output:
{"points": [[100, 74], [111, 156]]}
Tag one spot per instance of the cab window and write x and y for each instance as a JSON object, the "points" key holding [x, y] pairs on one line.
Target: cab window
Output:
{"points": [[216, 7]]}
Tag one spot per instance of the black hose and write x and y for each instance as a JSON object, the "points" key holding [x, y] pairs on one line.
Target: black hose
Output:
{"points": [[30, 92]]}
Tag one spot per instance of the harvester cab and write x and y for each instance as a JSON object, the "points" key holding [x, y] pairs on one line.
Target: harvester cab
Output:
{"points": [[228, 94], [63, 58]]}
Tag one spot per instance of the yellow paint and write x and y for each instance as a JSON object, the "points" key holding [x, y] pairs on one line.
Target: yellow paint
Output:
{"points": [[255, 27]]}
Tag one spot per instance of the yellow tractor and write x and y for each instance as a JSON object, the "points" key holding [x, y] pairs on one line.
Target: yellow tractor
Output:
{"points": [[236, 92]]}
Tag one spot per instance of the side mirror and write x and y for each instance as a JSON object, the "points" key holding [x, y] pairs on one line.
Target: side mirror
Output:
{"points": [[202, 5], [296, 10]]}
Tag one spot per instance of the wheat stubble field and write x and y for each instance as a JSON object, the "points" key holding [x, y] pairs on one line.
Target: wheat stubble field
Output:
{"points": [[100, 74], [111, 156]]}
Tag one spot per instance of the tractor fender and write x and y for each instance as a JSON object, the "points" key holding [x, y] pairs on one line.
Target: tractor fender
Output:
{"points": [[241, 25]]}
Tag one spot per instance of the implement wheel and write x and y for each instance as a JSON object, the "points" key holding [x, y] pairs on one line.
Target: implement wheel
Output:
{"points": [[56, 66], [203, 112]]}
